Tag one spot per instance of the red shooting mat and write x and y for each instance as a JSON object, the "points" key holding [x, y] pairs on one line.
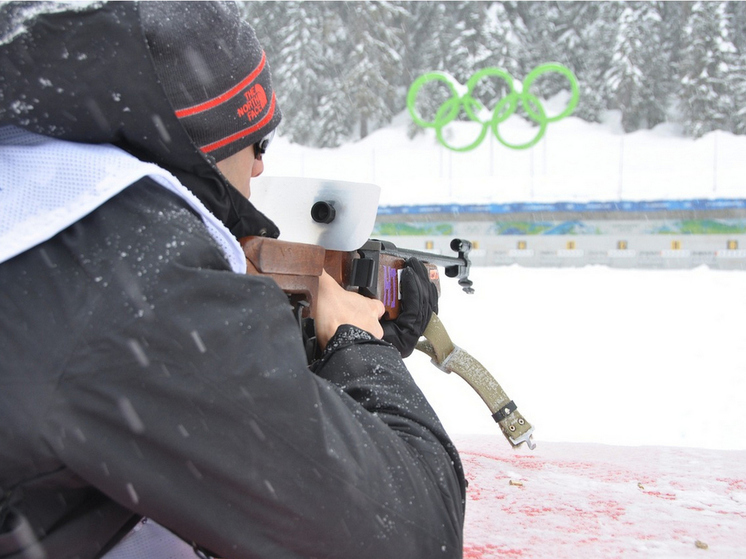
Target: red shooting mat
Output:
{"points": [[596, 501]]}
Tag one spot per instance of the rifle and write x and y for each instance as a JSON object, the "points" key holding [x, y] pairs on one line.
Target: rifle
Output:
{"points": [[373, 271]]}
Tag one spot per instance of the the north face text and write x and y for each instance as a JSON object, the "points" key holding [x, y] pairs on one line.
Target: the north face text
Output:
{"points": [[256, 100]]}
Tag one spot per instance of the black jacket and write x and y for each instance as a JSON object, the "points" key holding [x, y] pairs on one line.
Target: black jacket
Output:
{"points": [[140, 376]]}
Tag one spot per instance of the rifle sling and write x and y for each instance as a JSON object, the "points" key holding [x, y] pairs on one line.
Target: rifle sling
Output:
{"points": [[448, 357]]}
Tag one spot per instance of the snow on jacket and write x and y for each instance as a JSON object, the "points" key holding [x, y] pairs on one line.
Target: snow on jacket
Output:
{"points": [[142, 376]]}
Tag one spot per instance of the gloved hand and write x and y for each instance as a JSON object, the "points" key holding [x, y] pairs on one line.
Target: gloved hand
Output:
{"points": [[419, 300]]}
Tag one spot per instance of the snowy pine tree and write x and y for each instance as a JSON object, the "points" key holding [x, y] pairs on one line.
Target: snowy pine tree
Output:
{"points": [[373, 64], [709, 71], [422, 25], [635, 79], [317, 108], [594, 59], [737, 11]]}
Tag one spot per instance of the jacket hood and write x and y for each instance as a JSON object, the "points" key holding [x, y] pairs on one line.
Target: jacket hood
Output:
{"points": [[85, 74]]}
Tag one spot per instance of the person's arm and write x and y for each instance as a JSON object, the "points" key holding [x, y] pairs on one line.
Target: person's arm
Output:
{"points": [[188, 399]]}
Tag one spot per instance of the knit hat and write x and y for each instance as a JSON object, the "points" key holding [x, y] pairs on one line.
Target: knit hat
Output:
{"points": [[214, 73]]}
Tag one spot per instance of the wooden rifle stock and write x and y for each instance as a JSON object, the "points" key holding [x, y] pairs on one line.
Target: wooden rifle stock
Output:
{"points": [[295, 267]]}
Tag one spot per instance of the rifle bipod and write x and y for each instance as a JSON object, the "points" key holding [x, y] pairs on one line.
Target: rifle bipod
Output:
{"points": [[450, 358]]}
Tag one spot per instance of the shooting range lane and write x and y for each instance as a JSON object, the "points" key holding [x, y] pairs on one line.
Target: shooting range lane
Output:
{"points": [[648, 234]]}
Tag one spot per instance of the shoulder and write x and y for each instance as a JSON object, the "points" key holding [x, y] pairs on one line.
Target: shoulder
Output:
{"points": [[152, 224]]}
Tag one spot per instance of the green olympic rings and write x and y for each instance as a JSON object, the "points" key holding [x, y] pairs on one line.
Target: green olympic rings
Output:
{"points": [[461, 96]]}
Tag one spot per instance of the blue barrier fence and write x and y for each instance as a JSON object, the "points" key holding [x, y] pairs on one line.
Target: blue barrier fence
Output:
{"points": [[600, 207]]}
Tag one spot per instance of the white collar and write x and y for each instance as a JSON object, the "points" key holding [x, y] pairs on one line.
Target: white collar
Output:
{"points": [[46, 185]]}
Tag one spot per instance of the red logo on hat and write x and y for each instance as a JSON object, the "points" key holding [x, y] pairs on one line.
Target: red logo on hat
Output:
{"points": [[256, 100]]}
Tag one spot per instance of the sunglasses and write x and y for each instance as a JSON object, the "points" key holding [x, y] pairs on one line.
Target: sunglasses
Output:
{"points": [[260, 148]]}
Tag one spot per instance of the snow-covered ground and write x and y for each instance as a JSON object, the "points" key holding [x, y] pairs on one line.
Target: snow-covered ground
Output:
{"points": [[601, 355], [635, 380]]}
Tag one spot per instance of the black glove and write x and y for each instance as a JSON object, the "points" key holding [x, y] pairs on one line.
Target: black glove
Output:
{"points": [[419, 300]]}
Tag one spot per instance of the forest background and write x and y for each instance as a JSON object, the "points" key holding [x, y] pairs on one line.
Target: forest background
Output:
{"points": [[342, 69]]}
